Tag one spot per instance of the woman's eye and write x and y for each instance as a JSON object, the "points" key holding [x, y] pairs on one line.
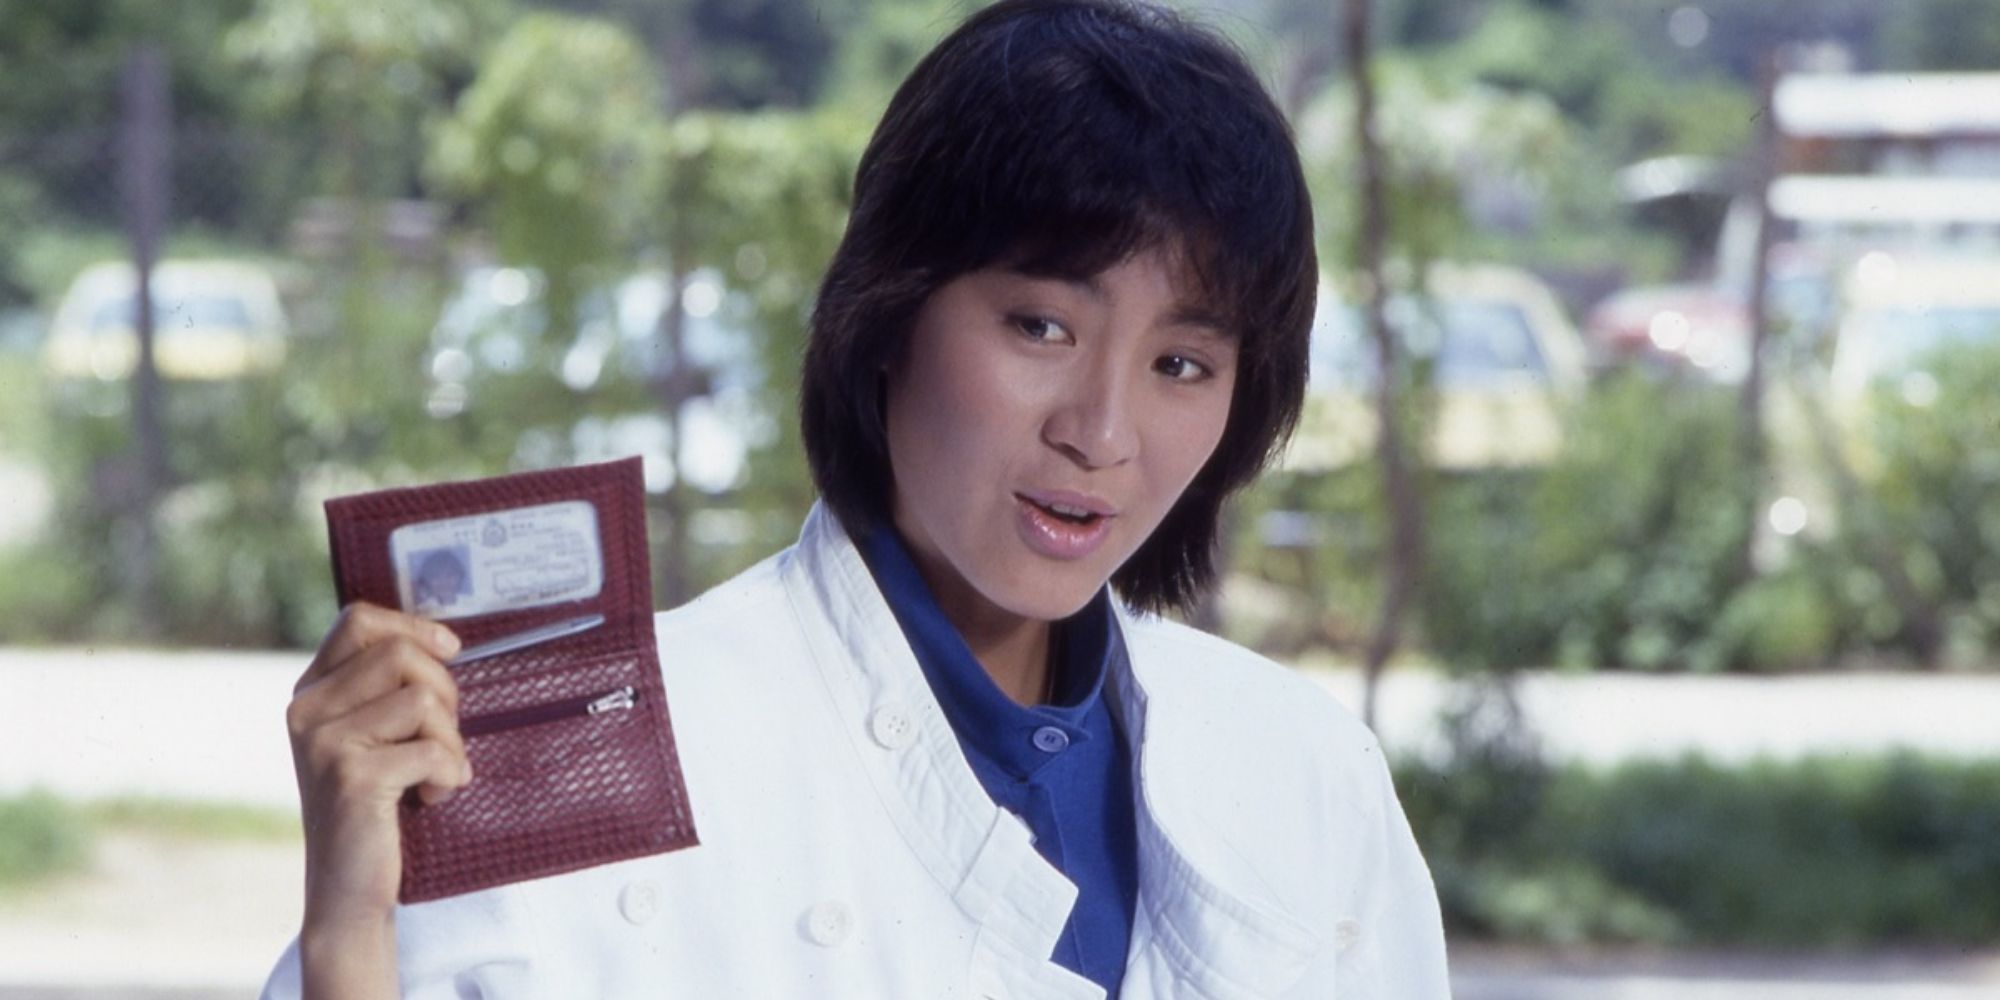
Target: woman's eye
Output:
{"points": [[1045, 330], [1181, 368]]}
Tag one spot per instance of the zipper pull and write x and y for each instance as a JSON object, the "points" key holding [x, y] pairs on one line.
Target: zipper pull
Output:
{"points": [[622, 698]]}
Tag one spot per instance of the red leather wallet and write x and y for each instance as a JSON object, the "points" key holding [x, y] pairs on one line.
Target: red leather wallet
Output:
{"points": [[565, 718]]}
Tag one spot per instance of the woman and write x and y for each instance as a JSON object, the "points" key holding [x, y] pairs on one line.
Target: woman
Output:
{"points": [[930, 755]]}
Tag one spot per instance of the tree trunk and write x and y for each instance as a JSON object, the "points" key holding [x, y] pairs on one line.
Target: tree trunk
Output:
{"points": [[144, 170], [1406, 545], [1751, 469], [675, 390]]}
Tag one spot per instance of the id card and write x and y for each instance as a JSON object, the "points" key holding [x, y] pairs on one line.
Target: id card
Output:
{"points": [[500, 561]]}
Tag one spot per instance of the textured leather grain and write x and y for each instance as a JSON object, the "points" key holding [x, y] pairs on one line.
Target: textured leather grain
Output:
{"points": [[555, 788]]}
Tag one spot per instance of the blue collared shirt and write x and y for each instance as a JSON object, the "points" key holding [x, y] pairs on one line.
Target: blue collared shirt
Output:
{"points": [[1065, 767]]}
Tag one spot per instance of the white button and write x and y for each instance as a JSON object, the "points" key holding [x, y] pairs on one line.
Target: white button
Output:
{"points": [[1050, 739], [1345, 933], [640, 902], [828, 923], [892, 726]]}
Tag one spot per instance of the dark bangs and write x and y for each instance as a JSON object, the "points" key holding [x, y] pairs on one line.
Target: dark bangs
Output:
{"points": [[1059, 137]]}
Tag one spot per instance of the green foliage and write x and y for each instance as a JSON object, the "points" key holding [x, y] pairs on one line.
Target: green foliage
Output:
{"points": [[1943, 35], [243, 557], [1822, 853], [43, 836], [887, 39], [1632, 105], [1933, 492], [1622, 553], [767, 52], [40, 836], [559, 137], [1618, 554], [1791, 619], [367, 75], [1639, 523], [1447, 142], [1320, 539], [20, 207], [763, 199], [62, 60]]}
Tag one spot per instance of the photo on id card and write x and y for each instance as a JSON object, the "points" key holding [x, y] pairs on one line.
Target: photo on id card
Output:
{"points": [[505, 560]]}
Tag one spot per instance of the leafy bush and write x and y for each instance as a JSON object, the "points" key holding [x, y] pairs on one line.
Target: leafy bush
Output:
{"points": [[1621, 553], [1934, 498], [1624, 552], [1821, 853], [40, 836]]}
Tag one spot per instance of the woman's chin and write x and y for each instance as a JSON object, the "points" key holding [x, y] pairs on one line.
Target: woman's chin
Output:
{"points": [[1048, 601]]}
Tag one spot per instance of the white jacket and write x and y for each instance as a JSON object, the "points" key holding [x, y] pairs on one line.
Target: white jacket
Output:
{"points": [[847, 849]]}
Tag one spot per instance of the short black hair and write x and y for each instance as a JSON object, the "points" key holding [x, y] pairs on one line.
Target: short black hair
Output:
{"points": [[1060, 137]]}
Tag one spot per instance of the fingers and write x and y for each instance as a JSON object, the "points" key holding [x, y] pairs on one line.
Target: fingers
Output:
{"points": [[435, 772], [362, 625], [369, 674], [408, 737]]}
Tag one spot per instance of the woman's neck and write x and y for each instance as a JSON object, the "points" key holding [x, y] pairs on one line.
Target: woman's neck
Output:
{"points": [[1013, 648], [1014, 652]]}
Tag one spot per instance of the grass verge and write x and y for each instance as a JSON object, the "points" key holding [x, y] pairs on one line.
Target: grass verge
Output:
{"points": [[43, 836]]}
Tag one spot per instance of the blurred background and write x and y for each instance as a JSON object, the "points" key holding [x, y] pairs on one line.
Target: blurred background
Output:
{"points": [[1644, 502]]}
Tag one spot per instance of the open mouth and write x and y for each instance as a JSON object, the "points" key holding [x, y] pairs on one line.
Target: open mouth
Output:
{"points": [[1062, 526], [1066, 513]]}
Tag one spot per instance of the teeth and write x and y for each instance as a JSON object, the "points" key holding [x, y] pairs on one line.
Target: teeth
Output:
{"points": [[1069, 511]]}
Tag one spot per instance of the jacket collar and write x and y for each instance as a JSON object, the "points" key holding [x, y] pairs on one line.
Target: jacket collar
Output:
{"points": [[1221, 940]]}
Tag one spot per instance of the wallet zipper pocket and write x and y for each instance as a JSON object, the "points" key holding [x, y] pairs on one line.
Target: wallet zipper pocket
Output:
{"points": [[618, 700]]}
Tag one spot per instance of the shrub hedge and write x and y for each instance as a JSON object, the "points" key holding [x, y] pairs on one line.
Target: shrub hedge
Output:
{"points": [[1832, 852]]}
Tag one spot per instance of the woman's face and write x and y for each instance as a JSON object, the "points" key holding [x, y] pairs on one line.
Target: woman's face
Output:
{"points": [[1040, 428]]}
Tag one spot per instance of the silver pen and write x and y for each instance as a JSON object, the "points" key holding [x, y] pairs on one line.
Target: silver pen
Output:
{"points": [[525, 638]]}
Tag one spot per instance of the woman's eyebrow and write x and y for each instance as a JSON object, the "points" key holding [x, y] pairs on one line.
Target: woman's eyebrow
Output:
{"points": [[1201, 319], [1183, 314], [1082, 283]]}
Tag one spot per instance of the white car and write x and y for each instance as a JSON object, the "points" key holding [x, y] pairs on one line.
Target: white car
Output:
{"points": [[212, 320], [1505, 360], [1903, 313], [1902, 316]]}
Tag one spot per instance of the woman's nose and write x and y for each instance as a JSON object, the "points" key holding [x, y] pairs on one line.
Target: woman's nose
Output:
{"points": [[1093, 422]]}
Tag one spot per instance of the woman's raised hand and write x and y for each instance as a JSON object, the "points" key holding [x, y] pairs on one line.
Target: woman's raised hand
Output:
{"points": [[373, 716]]}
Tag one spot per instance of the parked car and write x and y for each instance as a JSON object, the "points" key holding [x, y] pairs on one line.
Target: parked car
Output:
{"points": [[213, 320], [1503, 358], [1703, 329], [1902, 316]]}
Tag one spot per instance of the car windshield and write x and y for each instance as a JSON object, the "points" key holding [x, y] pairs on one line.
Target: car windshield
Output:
{"points": [[1896, 341], [169, 312], [1470, 341]]}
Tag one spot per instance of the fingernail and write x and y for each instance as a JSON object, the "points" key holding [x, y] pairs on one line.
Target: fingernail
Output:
{"points": [[468, 773], [447, 640]]}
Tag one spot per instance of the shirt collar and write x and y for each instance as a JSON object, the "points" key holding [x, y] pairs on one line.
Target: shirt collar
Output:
{"points": [[985, 719]]}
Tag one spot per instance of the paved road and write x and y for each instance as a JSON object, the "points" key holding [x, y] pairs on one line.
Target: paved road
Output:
{"points": [[209, 725], [192, 922]]}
